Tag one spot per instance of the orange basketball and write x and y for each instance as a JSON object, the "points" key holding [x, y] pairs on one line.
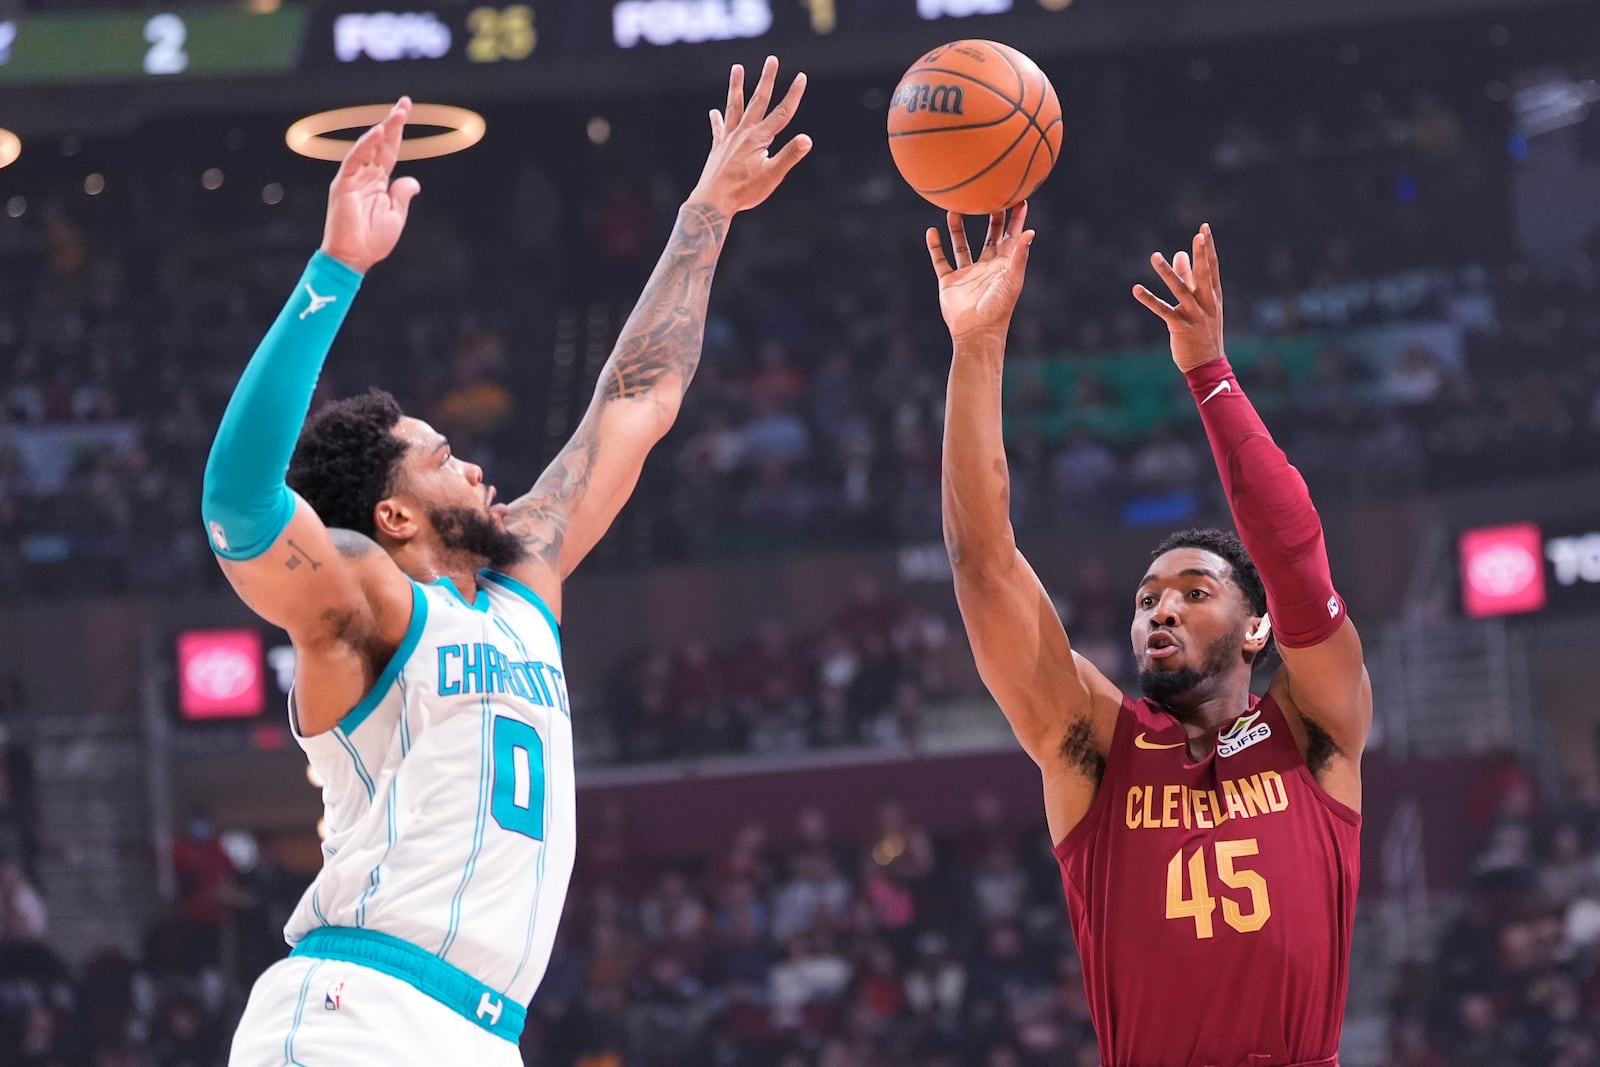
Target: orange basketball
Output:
{"points": [[974, 126]]}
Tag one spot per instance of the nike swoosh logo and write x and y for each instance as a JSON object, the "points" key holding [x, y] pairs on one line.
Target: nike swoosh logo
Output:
{"points": [[1224, 386], [1140, 742]]}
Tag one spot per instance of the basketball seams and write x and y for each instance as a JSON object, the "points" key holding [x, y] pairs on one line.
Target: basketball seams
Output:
{"points": [[975, 137], [1022, 92], [993, 163], [1016, 192], [951, 129]]}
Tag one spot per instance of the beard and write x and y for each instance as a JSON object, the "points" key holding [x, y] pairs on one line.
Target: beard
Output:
{"points": [[476, 534], [1164, 687]]}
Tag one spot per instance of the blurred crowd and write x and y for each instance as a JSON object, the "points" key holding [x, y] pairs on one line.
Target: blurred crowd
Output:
{"points": [[892, 951], [1514, 980], [873, 674], [1392, 347], [796, 946]]}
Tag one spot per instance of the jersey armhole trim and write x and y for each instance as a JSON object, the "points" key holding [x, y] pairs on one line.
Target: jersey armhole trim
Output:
{"points": [[511, 585], [1339, 808], [408, 644]]}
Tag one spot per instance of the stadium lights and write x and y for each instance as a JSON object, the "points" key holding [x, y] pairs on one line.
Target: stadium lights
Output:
{"points": [[10, 148], [463, 129]]}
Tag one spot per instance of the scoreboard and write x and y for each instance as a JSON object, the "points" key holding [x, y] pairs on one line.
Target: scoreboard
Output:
{"points": [[256, 38]]}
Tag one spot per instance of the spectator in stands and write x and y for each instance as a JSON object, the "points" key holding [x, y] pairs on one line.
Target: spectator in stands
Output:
{"points": [[205, 878]]}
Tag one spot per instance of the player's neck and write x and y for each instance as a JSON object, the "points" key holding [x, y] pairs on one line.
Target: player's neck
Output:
{"points": [[1206, 710], [428, 565]]}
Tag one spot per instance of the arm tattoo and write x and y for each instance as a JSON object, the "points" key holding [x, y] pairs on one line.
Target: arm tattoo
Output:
{"points": [[541, 518], [655, 359], [298, 556], [662, 338]]}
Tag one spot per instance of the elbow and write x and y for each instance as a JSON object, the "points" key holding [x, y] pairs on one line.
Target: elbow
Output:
{"points": [[969, 551]]}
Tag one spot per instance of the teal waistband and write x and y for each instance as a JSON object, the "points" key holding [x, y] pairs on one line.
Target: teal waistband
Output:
{"points": [[423, 971]]}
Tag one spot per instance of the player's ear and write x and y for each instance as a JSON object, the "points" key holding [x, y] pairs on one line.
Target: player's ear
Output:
{"points": [[1257, 634], [395, 519]]}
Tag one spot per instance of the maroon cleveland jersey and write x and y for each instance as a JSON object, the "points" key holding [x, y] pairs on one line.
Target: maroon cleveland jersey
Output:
{"points": [[1213, 901]]}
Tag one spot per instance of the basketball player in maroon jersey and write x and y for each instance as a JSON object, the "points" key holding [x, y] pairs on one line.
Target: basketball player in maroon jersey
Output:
{"points": [[1208, 841]]}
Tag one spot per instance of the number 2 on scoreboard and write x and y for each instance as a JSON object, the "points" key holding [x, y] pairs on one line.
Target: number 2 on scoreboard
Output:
{"points": [[1200, 904], [166, 34]]}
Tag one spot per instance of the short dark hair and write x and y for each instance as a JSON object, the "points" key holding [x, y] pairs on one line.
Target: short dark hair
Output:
{"points": [[1226, 544], [346, 460]]}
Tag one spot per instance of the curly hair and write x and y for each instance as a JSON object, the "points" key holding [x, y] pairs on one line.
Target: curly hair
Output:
{"points": [[347, 458], [1227, 545]]}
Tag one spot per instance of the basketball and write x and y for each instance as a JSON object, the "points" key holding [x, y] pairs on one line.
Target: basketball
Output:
{"points": [[974, 127]]}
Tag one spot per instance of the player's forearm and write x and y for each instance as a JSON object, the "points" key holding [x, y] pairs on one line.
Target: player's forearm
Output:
{"points": [[1271, 507], [244, 500], [976, 483], [659, 348]]}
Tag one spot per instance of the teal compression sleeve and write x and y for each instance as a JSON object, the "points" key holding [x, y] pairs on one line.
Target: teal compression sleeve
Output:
{"points": [[244, 500]]}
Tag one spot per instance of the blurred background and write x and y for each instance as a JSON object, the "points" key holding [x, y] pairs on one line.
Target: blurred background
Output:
{"points": [[807, 836]]}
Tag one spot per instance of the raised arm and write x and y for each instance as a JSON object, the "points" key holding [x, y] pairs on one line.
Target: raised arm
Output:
{"points": [[1061, 708], [642, 385], [1323, 684], [337, 595]]}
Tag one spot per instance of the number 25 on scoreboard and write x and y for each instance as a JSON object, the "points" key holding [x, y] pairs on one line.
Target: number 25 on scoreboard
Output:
{"points": [[1198, 905], [501, 33]]}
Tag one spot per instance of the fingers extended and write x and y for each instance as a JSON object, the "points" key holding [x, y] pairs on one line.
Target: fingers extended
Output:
{"points": [[941, 265], [958, 240], [1180, 289], [791, 153], [763, 94], [997, 230], [734, 110], [1185, 268], [1154, 303], [785, 109], [1213, 265], [1019, 217]]}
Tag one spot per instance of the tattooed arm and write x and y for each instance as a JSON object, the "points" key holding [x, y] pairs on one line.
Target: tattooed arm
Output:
{"points": [[642, 385]]}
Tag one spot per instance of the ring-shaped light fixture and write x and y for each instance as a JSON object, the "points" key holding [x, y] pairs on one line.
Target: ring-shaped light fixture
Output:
{"points": [[10, 148], [309, 136]]}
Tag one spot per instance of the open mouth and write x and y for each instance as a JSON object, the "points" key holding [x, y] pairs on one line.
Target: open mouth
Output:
{"points": [[1161, 645]]}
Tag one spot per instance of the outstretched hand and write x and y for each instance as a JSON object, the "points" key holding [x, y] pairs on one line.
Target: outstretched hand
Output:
{"points": [[739, 174], [979, 295], [366, 211], [1194, 323]]}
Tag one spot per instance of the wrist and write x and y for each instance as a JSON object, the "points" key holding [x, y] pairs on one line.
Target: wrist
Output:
{"points": [[981, 342], [335, 259], [1205, 376], [706, 201]]}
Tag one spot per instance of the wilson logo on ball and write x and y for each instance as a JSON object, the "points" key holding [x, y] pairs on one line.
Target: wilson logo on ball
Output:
{"points": [[942, 99]]}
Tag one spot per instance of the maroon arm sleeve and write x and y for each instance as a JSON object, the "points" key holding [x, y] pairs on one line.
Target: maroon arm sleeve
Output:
{"points": [[1271, 508]]}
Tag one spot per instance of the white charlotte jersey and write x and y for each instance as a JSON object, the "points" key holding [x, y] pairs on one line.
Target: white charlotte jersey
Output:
{"points": [[449, 790]]}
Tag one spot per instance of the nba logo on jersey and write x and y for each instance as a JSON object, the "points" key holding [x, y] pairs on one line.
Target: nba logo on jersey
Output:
{"points": [[332, 1000]]}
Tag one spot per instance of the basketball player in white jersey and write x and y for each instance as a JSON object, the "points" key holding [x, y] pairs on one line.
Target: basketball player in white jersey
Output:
{"points": [[429, 692]]}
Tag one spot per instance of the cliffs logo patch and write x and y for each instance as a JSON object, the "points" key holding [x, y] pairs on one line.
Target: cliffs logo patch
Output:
{"points": [[333, 999], [1241, 735]]}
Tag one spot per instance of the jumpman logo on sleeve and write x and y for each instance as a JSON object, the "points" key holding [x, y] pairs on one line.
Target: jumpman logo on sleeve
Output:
{"points": [[317, 302]]}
